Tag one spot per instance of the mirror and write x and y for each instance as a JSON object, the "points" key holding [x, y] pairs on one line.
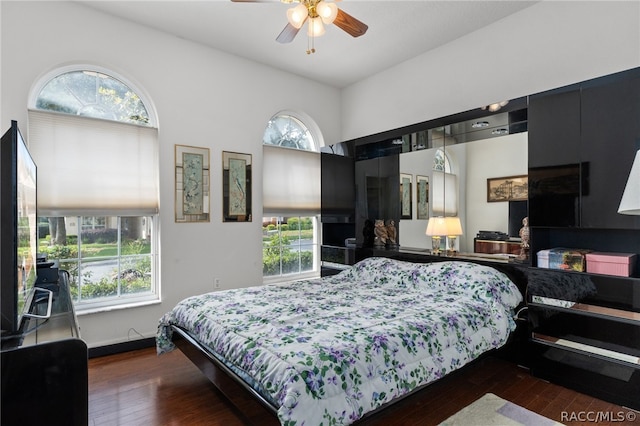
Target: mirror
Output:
{"points": [[472, 161], [472, 146]]}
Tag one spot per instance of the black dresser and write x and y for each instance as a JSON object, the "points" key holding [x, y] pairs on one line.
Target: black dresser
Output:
{"points": [[44, 370]]}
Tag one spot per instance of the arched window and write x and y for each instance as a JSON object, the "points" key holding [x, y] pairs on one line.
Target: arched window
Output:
{"points": [[92, 94], [287, 131], [291, 197], [444, 185], [96, 145], [441, 161]]}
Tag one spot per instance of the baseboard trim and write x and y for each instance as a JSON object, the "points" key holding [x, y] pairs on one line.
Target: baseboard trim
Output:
{"points": [[122, 347]]}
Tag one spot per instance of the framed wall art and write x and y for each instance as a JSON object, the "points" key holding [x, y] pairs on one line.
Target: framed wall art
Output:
{"points": [[236, 187], [510, 188], [422, 196], [192, 184], [405, 196]]}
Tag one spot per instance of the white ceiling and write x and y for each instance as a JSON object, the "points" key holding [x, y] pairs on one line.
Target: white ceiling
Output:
{"points": [[398, 31]]}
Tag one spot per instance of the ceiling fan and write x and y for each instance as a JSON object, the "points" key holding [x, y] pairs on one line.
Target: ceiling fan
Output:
{"points": [[316, 13]]}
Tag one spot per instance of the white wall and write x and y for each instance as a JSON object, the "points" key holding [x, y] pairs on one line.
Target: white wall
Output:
{"points": [[411, 232], [548, 45], [490, 158], [203, 97]]}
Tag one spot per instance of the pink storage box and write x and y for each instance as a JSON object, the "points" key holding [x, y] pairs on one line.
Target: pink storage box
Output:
{"points": [[621, 264]]}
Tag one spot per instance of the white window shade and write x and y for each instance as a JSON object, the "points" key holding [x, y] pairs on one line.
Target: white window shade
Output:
{"points": [[291, 181], [88, 166], [445, 194]]}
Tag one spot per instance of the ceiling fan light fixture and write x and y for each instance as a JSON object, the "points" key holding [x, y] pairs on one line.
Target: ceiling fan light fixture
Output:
{"points": [[316, 28], [297, 15], [327, 11]]}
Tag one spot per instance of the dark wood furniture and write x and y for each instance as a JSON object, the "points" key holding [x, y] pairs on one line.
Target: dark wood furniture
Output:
{"points": [[496, 247], [44, 370], [253, 406]]}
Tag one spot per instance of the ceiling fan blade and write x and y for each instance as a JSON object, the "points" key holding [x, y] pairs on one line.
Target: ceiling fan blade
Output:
{"points": [[288, 34], [350, 24]]}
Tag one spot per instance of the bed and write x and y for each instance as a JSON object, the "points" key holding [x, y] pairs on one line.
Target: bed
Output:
{"points": [[334, 349]]}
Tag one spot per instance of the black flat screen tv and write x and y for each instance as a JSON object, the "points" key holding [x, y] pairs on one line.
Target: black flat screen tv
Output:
{"points": [[18, 230]]}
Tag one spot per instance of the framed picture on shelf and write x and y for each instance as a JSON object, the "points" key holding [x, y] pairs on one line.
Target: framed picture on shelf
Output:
{"points": [[405, 196], [422, 197], [510, 188], [192, 184], [236, 187]]}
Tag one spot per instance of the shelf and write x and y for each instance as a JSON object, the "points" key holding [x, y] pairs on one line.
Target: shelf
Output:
{"points": [[587, 349], [586, 309]]}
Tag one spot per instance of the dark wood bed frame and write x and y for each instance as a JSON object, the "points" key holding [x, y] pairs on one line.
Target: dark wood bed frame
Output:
{"points": [[249, 402], [252, 406]]}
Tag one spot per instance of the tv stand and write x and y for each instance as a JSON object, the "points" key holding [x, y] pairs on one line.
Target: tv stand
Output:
{"points": [[44, 370]]}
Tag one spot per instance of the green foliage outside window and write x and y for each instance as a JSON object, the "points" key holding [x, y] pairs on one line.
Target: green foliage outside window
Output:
{"points": [[277, 254], [130, 259]]}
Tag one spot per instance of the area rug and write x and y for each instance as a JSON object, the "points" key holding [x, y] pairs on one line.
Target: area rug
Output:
{"points": [[493, 410]]}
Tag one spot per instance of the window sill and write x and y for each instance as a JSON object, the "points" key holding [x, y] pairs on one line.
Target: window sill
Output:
{"points": [[108, 308]]}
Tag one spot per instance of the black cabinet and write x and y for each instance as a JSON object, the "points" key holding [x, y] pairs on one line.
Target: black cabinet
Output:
{"points": [[45, 371], [610, 110], [377, 192], [554, 158], [554, 127], [585, 328], [585, 332], [582, 141]]}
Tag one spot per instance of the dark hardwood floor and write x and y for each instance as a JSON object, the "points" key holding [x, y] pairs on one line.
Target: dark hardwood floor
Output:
{"points": [[141, 388]]}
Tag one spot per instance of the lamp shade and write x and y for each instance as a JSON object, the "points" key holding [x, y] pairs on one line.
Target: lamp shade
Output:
{"points": [[327, 11], [297, 15], [444, 226], [436, 227], [316, 28], [452, 226], [630, 203]]}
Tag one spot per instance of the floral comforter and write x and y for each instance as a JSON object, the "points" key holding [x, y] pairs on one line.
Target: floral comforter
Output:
{"points": [[329, 350]]}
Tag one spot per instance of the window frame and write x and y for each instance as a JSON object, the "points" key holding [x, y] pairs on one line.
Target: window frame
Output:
{"points": [[314, 272], [120, 301], [317, 141], [106, 303], [45, 78]]}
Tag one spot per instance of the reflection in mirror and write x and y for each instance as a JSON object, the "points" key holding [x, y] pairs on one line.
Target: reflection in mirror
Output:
{"points": [[471, 164], [454, 146]]}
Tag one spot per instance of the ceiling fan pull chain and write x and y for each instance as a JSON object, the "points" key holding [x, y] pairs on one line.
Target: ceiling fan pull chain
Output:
{"points": [[311, 48]]}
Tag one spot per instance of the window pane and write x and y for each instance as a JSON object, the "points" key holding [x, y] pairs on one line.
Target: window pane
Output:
{"points": [[288, 246], [113, 257], [289, 132], [92, 94]]}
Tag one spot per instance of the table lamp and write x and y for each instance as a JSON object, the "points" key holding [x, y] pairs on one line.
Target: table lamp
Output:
{"points": [[436, 229]]}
